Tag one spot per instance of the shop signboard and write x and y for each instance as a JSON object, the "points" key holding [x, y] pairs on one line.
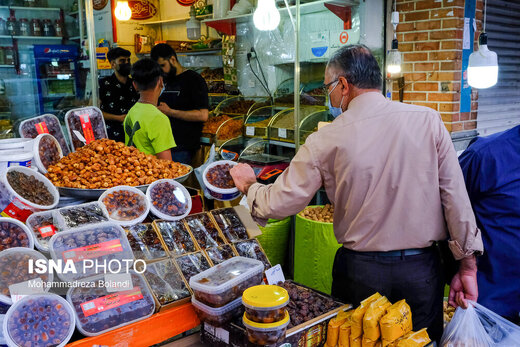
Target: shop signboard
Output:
{"points": [[101, 58], [142, 9]]}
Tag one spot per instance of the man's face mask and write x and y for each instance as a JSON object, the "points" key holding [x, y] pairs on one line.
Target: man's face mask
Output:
{"points": [[335, 111], [124, 68]]}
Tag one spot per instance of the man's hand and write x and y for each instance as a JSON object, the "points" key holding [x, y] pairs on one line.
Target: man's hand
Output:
{"points": [[244, 177], [164, 108], [121, 118], [464, 284]]}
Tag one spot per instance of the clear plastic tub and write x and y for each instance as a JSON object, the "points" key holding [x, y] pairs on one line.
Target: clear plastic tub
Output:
{"points": [[266, 334], [192, 264], [89, 122], [230, 224], [100, 243], [169, 200], [217, 316], [204, 230], [53, 317], [42, 226], [227, 281], [15, 205], [15, 157], [265, 304], [47, 152], [166, 282], [14, 265], [98, 311], [75, 216], [125, 205], [17, 144], [46, 123], [14, 233], [216, 192], [176, 237], [145, 242]]}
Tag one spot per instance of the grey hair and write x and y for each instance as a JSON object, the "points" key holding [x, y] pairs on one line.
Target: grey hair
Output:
{"points": [[358, 65]]}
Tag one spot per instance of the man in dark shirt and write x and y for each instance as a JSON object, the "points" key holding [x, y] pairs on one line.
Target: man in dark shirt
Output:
{"points": [[184, 100], [117, 94]]}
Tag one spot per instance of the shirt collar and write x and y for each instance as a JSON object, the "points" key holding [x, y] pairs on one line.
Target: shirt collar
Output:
{"points": [[361, 101]]}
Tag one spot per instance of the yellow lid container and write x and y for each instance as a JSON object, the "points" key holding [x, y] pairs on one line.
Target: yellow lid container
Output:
{"points": [[267, 326], [265, 297]]}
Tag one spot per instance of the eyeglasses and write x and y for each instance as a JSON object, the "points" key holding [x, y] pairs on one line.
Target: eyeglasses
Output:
{"points": [[325, 87]]}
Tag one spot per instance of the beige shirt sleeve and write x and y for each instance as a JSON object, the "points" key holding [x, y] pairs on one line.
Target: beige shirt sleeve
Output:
{"points": [[466, 238], [290, 193]]}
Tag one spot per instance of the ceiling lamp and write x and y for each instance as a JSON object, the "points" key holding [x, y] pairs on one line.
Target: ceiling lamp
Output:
{"points": [[266, 16], [393, 60], [193, 26], [123, 11]]}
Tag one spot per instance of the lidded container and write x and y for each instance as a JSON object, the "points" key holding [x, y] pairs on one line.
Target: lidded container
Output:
{"points": [[44, 124], [266, 334], [125, 205], [43, 225], [75, 216], [169, 199], [88, 122], [47, 152], [226, 281], [265, 304], [222, 194], [25, 29], [53, 321], [97, 310], [15, 157], [220, 315], [14, 233], [98, 244], [14, 263]]}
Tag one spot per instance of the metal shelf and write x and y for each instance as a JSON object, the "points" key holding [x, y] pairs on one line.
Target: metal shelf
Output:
{"points": [[283, 144], [6, 66], [22, 8], [176, 20], [31, 37], [201, 52]]}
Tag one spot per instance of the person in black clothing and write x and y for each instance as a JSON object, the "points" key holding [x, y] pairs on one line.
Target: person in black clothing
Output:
{"points": [[117, 94], [184, 100]]}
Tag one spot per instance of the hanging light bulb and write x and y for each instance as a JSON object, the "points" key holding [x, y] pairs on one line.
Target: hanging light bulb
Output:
{"points": [[193, 26], [123, 11], [393, 60], [483, 66], [266, 16]]}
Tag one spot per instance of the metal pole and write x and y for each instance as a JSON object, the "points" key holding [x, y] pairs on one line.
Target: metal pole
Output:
{"points": [[80, 19], [297, 79], [91, 36]]}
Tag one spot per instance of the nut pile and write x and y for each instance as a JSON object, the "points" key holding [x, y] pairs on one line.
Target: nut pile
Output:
{"points": [[14, 268], [238, 107], [220, 177], [105, 164], [165, 198], [449, 311], [41, 321], [48, 151], [204, 231], [125, 205], [30, 188], [11, 235], [176, 237], [75, 216], [323, 214], [29, 130], [192, 264], [306, 304]]}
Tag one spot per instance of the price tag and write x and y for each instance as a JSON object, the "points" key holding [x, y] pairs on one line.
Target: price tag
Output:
{"points": [[47, 231], [41, 128], [118, 282], [19, 290], [275, 275], [282, 133], [250, 131]]}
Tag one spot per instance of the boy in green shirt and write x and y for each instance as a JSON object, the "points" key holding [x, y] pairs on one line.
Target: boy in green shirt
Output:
{"points": [[147, 128]]}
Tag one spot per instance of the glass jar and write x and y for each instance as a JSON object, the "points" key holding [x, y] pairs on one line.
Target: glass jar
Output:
{"points": [[48, 28], [59, 28], [25, 29], [9, 55], [31, 3], [36, 27], [3, 27], [12, 26]]}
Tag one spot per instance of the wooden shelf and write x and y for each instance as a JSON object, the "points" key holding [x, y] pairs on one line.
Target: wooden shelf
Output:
{"points": [[176, 20], [147, 332]]}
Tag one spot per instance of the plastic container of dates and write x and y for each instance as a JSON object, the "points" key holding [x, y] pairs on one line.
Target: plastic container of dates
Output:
{"points": [[14, 263], [24, 191], [125, 205], [14, 233], [220, 315], [101, 243], [88, 122], [53, 317], [97, 310], [169, 200], [44, 124], [42, 226], [47, 152], [77, 216], [265, 304], [219, 183], [266, 333], [15, 157], [226, 281]]}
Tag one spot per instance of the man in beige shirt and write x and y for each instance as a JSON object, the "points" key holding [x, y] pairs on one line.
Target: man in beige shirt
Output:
{"points": [[392, 174]]}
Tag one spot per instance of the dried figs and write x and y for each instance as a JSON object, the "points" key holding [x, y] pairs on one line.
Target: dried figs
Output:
{"points": [[12, 235], [204, 230], [169, 199], [220, 177], [30, 188]]}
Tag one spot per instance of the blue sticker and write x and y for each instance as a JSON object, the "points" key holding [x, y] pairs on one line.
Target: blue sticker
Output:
{"points": [[319, 51]]}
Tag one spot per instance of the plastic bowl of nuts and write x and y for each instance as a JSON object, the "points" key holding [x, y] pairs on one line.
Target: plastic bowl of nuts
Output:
{"points": [[169, 200], [219, 182], [125, 205]]}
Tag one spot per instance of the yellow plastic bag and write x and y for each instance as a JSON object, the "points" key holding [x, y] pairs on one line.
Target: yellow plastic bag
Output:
{"points": [[334, 325], [344, 333], [374, 313], [414, 339], [396, 323], [366, 342], [355, 342], [359, 313]]}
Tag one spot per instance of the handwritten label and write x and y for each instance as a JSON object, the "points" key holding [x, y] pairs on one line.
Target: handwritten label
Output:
{"points": [[282, 133], [86, 125], [275, 275], [47, 231], [93, 251], [250, 131], [111, 301]]}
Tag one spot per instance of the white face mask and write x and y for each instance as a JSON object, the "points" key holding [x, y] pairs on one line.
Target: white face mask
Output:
{"points": [[335, 111]]}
